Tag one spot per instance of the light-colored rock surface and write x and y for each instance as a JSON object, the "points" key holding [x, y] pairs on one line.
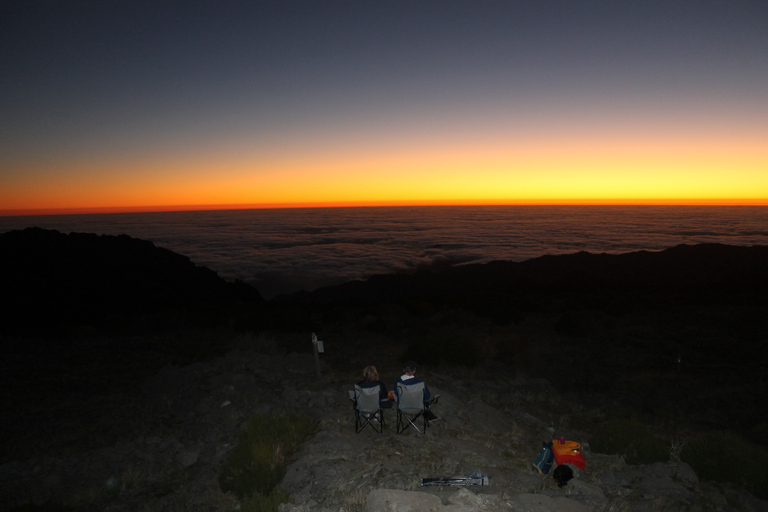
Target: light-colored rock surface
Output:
{"points": [[188, 419]]}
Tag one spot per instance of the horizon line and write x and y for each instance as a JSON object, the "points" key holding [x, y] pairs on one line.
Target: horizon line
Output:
{"points": [[21, 212]]}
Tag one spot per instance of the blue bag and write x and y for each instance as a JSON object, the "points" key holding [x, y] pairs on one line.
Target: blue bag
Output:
{"points": [[543, 462]]}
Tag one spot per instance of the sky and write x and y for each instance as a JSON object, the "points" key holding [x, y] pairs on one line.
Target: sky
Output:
{"points": [[146, 106]]}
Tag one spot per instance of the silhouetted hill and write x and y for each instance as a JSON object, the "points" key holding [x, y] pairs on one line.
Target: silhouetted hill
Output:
{"points": [[692, 275], [53, 283]]}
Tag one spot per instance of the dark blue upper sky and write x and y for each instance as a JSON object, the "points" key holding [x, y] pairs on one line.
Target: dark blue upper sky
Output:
{"points": [[142, 80]]}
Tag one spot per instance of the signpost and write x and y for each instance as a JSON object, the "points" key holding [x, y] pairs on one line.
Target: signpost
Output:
{"points": [[318, 348]]}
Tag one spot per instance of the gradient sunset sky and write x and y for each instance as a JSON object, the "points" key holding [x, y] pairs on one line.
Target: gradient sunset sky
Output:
{"points": [[108, 105]]}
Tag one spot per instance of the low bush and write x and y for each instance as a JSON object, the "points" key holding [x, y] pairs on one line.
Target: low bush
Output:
{"points": [[260, 503], [446, 339], [459, 352], [259, 461], [258, 342], [630, 439], [48, 506], [726, 458]]}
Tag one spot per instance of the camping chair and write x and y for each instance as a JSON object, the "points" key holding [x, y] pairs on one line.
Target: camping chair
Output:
{"points": [[410, 406], [368, 411]]}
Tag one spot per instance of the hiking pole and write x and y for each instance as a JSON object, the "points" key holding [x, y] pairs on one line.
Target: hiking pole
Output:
{"points": [[474, 480]]}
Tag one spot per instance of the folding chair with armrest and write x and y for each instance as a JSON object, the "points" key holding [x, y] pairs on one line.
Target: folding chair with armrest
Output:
{"points": [[411, 407], [368, 411]]}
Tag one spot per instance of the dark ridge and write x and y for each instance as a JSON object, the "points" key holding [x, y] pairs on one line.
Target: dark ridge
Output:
{"points": [[57, 284], [699, 273], [708, 298]]}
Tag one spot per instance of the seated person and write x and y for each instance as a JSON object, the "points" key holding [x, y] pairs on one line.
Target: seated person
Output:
{"points": [[371, 379], [409, 377]]}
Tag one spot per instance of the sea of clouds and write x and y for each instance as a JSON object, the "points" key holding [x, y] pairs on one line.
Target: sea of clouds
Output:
{"points": [[287, 250]]}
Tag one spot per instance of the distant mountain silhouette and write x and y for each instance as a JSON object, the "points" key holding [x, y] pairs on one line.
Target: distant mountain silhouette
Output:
{"points": [[690, 274], [52, 282], [684, 267]]}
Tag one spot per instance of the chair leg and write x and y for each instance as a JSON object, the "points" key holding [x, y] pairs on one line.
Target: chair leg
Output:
{"points": [[366, 419], [404, 421]]}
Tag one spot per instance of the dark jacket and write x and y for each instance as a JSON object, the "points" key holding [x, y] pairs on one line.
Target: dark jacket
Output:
{"points": [[372, 383], [409, 380]]}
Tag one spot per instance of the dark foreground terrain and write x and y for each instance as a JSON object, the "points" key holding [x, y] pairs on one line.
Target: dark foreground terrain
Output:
{"points": [[674, 339], [679, 333]]}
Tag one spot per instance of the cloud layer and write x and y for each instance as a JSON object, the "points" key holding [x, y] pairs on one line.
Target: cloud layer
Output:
{"points": [[282, 251]]}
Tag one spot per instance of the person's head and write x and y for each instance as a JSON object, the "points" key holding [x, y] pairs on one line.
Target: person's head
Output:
{"points": [[370, 373], [409, 368]]}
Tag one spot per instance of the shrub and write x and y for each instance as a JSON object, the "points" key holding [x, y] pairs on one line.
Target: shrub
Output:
{"points": [[449, 342], [258, 342], [259, 461], [630, 439], [48, 506], [726, 458], [260, 503]]}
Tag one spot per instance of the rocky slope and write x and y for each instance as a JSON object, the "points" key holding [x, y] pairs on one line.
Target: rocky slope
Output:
{"points": [[166, 442]]}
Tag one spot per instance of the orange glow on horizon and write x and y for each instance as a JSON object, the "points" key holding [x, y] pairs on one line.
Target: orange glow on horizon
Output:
{"points": [[372, 204], [517, 169]]}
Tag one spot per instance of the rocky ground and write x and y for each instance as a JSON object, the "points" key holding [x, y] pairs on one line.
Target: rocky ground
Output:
{"points": [[164, 446]]}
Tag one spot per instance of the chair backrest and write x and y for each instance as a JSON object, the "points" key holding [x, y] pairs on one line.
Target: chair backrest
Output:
{"points": [[410, 397], [367, 398]]}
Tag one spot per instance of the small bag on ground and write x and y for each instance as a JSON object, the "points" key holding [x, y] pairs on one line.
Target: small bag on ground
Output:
{"points": [[543, 462]]}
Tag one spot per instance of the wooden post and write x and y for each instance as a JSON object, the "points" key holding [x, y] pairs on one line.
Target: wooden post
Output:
{"points": [[316, 348]]}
